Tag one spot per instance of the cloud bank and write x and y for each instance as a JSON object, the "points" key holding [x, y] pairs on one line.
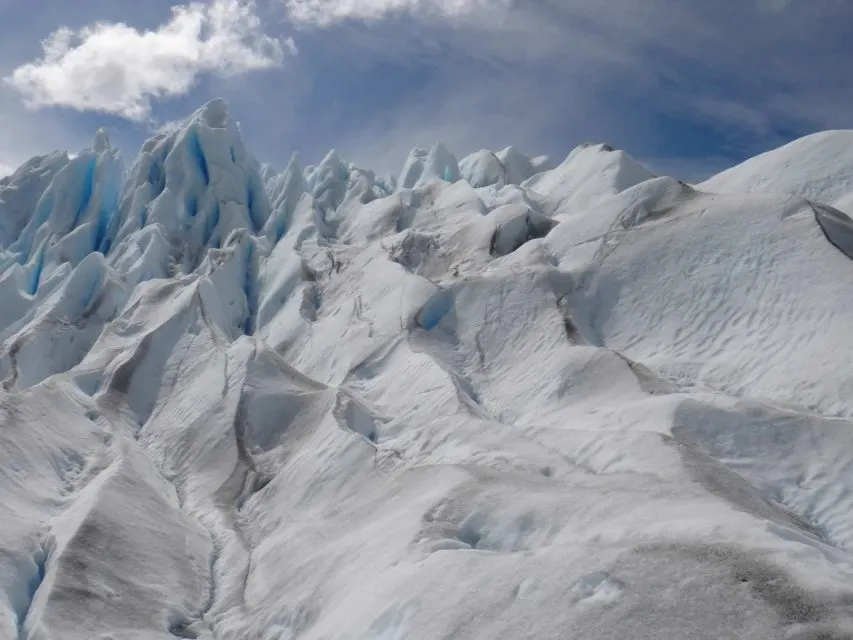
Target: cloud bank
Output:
{"points": [[114, 68]]}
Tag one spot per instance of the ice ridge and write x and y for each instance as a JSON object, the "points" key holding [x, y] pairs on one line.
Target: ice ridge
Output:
{"points": [[493, 398]]}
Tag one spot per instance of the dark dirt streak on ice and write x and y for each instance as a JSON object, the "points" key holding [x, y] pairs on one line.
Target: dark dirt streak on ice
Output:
{"points": [[74, 476], [227, 500], [252, 476], [806, 615], [119, 385], [216, 544], [738, 491], [10, 382]]}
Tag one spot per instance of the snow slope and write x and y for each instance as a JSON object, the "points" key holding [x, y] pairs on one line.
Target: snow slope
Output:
{"points": [[818, 167], [494, 399]]}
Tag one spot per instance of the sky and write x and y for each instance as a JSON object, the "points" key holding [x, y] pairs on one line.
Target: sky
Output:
{"points": [[686, 86]]}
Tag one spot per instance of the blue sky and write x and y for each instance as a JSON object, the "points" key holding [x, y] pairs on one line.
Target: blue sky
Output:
{"points": [[687, 86]]}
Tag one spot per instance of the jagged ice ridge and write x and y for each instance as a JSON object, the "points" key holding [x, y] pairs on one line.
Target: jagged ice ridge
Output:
{"points": [[497, 398]]}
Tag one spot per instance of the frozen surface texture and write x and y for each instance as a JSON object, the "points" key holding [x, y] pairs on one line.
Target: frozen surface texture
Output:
{"points": [[496, 399]]}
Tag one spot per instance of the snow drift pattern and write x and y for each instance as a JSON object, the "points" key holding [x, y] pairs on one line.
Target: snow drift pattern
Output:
{"points": [[496, 399]]}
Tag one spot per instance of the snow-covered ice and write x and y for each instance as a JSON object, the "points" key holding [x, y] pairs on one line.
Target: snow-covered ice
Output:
{"points": [[818, 167], [497, 398]]}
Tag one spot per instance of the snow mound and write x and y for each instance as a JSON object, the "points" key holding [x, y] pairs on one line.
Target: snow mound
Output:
{"points": [[818, 167], [509, 166], [589, 174], [494, 399]]}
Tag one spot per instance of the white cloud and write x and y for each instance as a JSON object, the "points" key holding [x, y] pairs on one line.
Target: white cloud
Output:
{"points": [[327, 12], [114, 68]]}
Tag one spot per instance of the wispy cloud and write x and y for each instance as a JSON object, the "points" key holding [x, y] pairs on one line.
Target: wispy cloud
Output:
{"points": [[753, 71], [115, 68], [661, 79], [465, 119], [327, 12]]}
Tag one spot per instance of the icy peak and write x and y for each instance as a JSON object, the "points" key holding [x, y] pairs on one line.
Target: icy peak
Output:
{"points": [[590, 173], [285, 191], [508, 166], [102, 141], [215, 114], [198, 183], [413, 168], [482, 169], [423, 167], [74, 214], [22, 189], [441, 164], [328, 181], [294, 164], [289, 184], [518, 166], [333, 166]]}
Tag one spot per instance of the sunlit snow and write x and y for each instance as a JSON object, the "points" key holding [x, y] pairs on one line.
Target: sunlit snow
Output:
{"points": [[498, 398]]}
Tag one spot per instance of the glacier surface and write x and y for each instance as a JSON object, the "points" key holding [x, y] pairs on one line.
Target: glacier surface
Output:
{"points": [[496, 398]]}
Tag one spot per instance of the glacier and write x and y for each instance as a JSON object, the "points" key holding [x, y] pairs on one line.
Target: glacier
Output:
{"points": [[494, 398]]}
